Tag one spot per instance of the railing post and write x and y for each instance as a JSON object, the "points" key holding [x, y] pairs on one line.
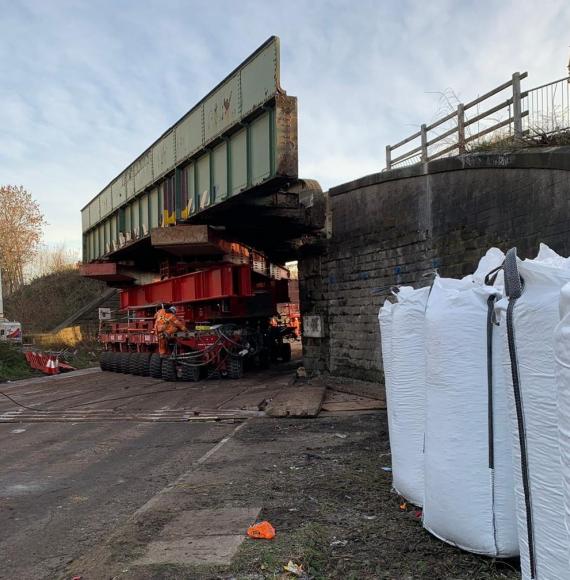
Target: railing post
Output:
{"points": [[388, 157], [461, 127], [517, 109], [423, 136]]}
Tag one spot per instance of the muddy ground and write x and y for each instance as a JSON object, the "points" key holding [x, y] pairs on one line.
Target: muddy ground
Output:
{"points": [[86, 491], [338, 516], [320, 482]]}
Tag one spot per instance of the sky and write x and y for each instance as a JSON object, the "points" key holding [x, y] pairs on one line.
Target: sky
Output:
{"points": [[87, 85]]}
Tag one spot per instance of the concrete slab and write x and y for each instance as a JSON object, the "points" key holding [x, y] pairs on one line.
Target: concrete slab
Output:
{"points": [[302, 401], [211, 522], [212, 550], [203, 536]]}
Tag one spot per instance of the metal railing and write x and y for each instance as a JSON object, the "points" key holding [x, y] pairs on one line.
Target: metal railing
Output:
{"points": [[549, 108], [539, 111]]}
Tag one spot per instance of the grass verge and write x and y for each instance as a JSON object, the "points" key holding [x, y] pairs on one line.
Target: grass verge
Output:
{"points": [[13, 365]]}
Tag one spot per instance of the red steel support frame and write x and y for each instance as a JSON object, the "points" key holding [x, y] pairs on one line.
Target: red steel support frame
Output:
{"points": [[226, 281]]}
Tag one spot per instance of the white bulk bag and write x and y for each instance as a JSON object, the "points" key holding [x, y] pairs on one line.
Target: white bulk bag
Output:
{"points": [[385, 321], [404, 347], [562, 353], [528, 320], [469, 499]]}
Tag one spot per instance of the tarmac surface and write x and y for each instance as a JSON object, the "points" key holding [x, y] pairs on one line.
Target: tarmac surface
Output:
{"points": [[64, 485], [82, 452]]}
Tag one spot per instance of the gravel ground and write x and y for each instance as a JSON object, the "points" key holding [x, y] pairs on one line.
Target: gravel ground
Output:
{"points": [[338, 517], [321, 484]]}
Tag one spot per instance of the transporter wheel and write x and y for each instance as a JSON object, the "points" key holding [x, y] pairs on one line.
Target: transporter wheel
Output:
{"points": [[119, 356], [103, 360], [114, 361], [109, 360], [235, 367], [214, 373], [169, 370], [285, 351], [124, 362], [264, 359], [133, 363], [143, 369], [188, 373], [155, 366]]}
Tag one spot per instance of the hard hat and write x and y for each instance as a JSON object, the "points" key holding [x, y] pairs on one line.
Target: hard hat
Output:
{"points": [[172, 309]]}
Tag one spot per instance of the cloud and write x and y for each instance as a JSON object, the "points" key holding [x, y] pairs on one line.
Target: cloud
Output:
{"points": [[87, 86]]}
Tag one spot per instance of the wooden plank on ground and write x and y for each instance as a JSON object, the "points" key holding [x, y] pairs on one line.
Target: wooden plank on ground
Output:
{"points": [[359, 388], [356, 405], [304, 401], [341, 401], [252, 399]]}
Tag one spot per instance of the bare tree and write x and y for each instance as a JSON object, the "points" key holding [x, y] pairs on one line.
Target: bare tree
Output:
{"points": [[21, 224], [51, 260]]}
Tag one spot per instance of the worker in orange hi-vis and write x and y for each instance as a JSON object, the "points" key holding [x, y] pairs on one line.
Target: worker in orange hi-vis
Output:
{"points": [[165, 326], [296, 324]]}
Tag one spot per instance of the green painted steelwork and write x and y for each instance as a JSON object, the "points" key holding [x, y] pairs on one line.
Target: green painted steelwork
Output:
{"points": [[241, 135], [178, 192]]}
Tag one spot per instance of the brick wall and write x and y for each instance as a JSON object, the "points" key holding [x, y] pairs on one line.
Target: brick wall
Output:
{"points": [[396, 227]]}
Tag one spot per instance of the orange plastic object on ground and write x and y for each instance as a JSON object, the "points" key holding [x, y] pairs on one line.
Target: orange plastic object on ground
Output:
{"points": [[261, 531]]}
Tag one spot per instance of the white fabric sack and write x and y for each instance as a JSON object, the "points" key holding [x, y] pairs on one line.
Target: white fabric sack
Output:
{"points": [[535, 315], [469, 499], [562, 353], [385, 321], [404, 348]]}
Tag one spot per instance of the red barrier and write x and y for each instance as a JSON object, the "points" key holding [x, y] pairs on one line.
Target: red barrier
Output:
{"points": [[46, 363]]}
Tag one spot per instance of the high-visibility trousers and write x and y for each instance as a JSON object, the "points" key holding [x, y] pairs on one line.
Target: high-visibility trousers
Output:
{"points": [[162, 345]]}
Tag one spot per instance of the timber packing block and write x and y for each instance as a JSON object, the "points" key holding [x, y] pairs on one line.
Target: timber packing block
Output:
{"points": [[303, 401]]}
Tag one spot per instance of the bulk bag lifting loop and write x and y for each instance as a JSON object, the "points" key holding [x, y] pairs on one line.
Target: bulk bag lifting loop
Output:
{"points": [[490, 280], [532, 313], [514, 286], [490, 414]]}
